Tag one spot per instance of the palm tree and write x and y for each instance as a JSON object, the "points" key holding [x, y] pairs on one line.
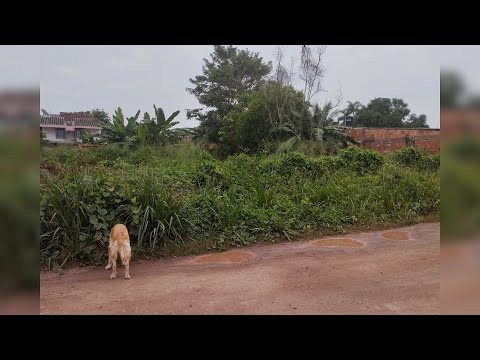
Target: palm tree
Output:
{"points": [[323, 131], [352, 109]]}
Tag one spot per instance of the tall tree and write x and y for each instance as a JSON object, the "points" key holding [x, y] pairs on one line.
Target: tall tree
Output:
{"points": [[311, 70], [281, 74], [285, 108], [101, 116], [229, 74], [272, 112], [352, 109], [415, 121], [383, 112], [246, 126]]}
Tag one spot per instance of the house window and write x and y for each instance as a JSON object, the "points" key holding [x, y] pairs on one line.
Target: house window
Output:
{"points": [[59, 133], [77, 134]]}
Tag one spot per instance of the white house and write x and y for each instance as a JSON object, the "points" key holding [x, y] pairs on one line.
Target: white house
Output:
{"points": [[66, 127]]}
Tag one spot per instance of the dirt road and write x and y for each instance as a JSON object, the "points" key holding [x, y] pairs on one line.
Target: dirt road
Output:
{"points": [[386, 272]]}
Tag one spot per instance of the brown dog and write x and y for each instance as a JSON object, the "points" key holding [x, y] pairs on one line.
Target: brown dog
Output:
{"points": [[119, 243]]}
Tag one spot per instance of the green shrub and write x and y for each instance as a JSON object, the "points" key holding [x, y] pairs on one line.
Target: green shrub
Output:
{"points": [[361, 161], [415, 158]]}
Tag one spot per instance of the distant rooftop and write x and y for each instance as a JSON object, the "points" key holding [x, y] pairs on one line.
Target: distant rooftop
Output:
{"points": [[75, 119]]}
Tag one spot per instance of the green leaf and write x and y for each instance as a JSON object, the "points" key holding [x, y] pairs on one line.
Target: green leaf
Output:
{"points": [[88, 249], [141, 132], [295, 113], [318, 134], [136, 115], [160, 115], [287, 145], [171, 117]]}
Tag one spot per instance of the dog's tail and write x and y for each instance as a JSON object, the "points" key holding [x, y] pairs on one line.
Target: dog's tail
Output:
{"points": [[121, 250]]}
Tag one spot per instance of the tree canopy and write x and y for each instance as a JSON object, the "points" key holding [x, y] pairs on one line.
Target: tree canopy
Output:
{"points": [[228, 75], [386, 112], [101, 116]]}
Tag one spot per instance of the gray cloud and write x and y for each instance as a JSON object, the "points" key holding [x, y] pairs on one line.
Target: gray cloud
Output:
{"points": [[78, 78]]}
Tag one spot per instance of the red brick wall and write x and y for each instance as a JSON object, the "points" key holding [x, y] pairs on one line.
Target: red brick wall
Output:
{"points": [[386, 140]]}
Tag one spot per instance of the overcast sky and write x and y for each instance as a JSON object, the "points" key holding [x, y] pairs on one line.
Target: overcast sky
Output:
{"points": [[79, 78]]}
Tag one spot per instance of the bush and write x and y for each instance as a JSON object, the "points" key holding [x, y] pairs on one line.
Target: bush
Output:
{"points": [[361, 161], [415, 158]]}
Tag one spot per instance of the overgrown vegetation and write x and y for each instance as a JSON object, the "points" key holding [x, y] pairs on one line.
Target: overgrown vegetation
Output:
{"points": [[266, 163], [180, 198]]}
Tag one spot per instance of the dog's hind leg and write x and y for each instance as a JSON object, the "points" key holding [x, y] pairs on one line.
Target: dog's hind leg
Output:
{"points": [[114, 252], [109, 265], [126, 254]]}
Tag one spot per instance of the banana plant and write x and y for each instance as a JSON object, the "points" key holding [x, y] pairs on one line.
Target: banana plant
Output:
{"points": [[118, 132], [86, 137], [156, 130], [290, 143], [165, 124], [325, 130]]}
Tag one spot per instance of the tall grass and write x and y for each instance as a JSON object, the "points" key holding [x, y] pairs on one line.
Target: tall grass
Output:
{"points": [[182, 197]]}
